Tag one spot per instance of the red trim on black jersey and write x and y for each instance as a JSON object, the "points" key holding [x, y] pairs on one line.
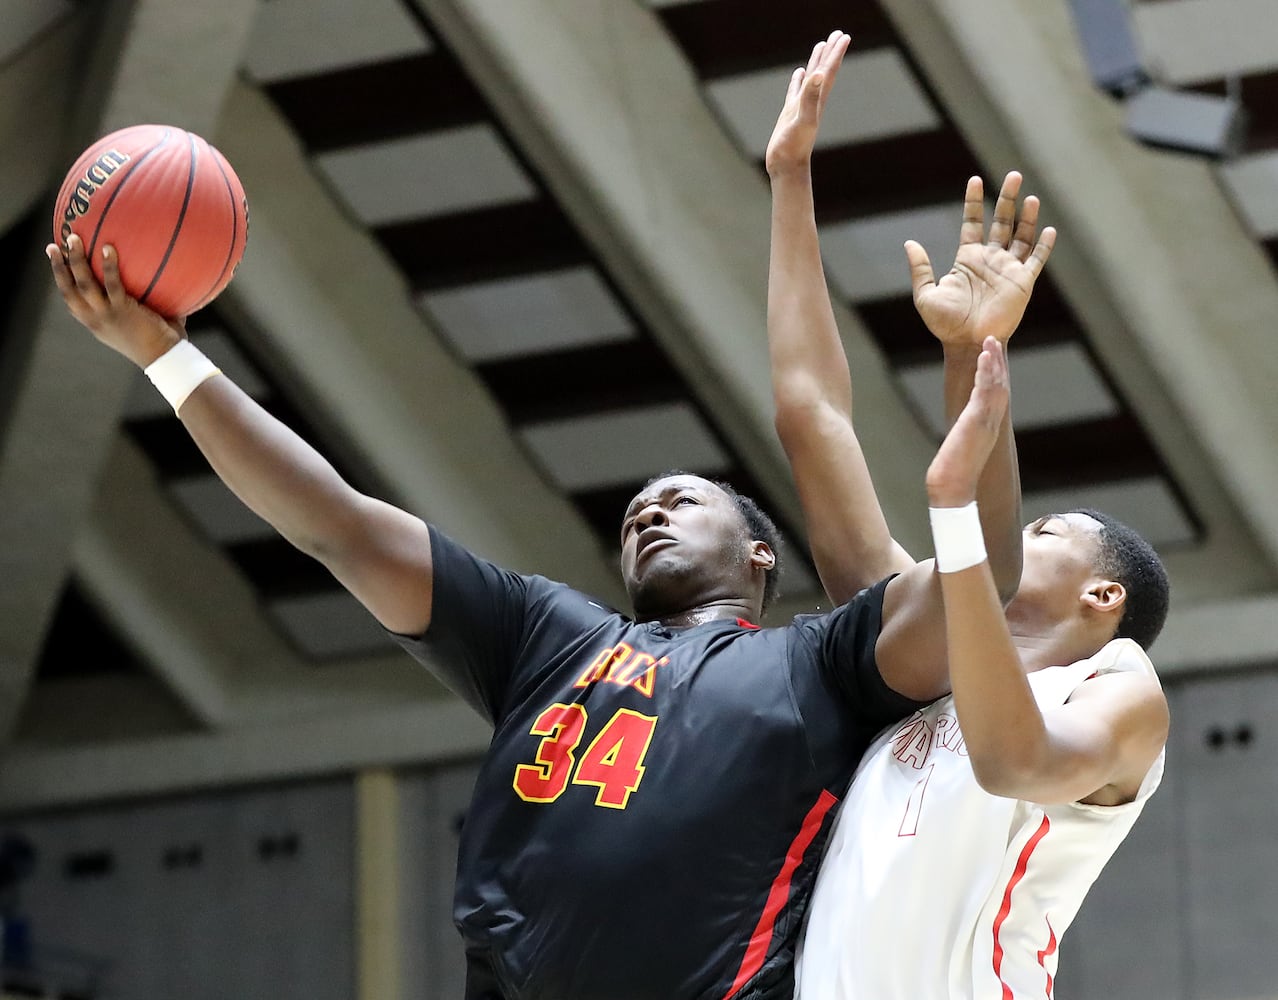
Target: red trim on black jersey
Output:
{"points": [[757, 950]]}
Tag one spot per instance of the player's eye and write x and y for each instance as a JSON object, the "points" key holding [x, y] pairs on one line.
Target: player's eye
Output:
{"points": [[685, 500]]}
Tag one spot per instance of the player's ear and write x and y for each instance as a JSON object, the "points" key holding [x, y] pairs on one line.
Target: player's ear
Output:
{"points": [[1105, 596], [761, 555]]}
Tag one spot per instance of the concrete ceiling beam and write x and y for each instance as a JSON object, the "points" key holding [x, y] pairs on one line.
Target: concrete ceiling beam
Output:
{"points": [[600, 99]]}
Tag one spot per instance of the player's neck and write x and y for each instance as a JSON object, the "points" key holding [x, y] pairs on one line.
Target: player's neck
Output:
{"points": [[726, 610], [1052, 645], [1043, 634]]}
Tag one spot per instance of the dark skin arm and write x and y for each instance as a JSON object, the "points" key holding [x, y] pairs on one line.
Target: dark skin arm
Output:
{"points": [[912, 648], [811, 384], [380, 553], [985, 295], [1099, 745], [986, 292], [972, 310]]}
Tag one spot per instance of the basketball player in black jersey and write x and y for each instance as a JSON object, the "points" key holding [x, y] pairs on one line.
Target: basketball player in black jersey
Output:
{"points": [[647, 821]]}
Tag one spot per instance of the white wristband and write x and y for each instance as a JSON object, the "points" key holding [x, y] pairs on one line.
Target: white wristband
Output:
{"points": [[179, 371], [957, 537]]}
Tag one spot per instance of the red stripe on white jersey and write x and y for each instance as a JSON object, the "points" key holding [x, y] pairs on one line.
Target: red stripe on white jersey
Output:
{"points": [[1018, 873], [1047, 953], [757, 949]]}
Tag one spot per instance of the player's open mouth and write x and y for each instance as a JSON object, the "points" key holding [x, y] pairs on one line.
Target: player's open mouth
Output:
{"points": [[661, 542]]}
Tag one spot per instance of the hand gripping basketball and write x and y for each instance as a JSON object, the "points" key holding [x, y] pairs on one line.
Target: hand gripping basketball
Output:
{"points": [[171, 206]]}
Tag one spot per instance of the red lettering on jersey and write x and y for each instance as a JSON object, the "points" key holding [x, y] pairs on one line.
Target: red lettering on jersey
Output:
{"points": [[908, 729], [949, 735], [623, 672], [596, 670], [648, 679], [912, 744], [621, 665], [603, 665], [620, 654]]}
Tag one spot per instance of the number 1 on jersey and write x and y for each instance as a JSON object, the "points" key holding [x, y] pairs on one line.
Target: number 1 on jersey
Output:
{"points": [[910, 821], [613, 761]]}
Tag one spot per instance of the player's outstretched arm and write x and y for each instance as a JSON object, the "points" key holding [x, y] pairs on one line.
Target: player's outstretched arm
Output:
{"points": [[380, 553], [985, 295], [811, 383], [1098, 746]]}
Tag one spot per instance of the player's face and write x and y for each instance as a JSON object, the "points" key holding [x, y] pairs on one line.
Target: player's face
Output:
{"points": [[683, 543], [1061, 551]]}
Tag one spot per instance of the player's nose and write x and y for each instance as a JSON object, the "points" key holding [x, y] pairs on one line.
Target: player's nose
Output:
{"points": [[651, 516]]}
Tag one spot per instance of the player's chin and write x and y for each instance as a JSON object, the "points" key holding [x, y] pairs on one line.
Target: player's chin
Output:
{"points": [[662, 585]]}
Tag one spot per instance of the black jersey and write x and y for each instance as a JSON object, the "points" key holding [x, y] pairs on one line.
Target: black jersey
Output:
{"points": [[647, 822]]}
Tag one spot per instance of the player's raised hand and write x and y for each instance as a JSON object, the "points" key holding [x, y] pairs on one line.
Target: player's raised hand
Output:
{"points": [[987, 290], [795, 133], [953, 475], [106, 309]]}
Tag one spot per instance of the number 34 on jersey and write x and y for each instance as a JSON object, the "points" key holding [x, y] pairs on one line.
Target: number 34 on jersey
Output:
{"points": [[612, 762]]}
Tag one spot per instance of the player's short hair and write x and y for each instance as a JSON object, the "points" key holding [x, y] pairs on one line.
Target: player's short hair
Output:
{"points": [[759, 526], [762, 528], [1129, 559]]}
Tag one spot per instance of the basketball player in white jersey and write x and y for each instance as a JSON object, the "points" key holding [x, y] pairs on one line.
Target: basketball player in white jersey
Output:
{"points": [[972, 832]]}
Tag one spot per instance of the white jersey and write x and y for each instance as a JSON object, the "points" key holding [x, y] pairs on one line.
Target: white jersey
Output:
{"points": [[934, 889]]}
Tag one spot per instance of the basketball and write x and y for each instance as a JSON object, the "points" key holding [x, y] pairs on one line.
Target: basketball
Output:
{"points": [[171, 206]]}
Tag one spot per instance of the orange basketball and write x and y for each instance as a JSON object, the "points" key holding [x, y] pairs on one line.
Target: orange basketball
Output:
{"points": [[171, 206]]}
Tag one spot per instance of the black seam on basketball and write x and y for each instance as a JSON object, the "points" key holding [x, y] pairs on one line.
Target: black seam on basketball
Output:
{"points": [[115, 193], [235, 232], [177, 226]]}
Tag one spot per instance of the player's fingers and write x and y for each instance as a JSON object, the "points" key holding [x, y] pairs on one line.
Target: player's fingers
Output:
{"points": [[997, 352], [973, 228], [990, 387], [1026, 227], [832, 58], [1005, 210], [833, 50], [815, 59], [62, 274], [971, 439], [1042, 250], [921, 275], [810, 98], [984, 364], [86, 284], [796, 81], [111, 282]]}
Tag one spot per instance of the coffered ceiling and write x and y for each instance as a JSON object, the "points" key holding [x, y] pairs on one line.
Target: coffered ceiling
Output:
{"points": [[508, 260]]}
